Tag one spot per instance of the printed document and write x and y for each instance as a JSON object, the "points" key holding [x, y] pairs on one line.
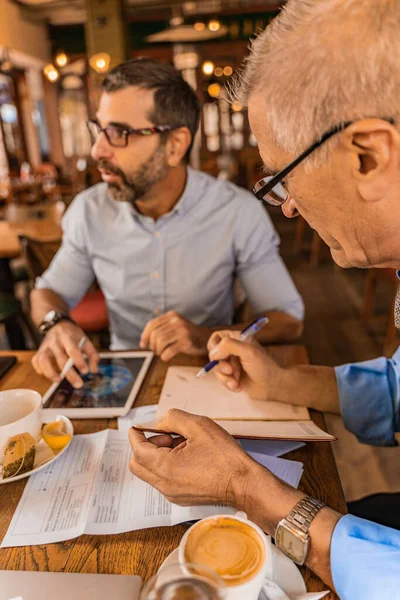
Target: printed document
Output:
{"points": [[91, 490]]}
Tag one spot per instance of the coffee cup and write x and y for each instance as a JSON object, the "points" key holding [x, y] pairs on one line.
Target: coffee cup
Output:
{"points": [[20, 412], [232, 546]]}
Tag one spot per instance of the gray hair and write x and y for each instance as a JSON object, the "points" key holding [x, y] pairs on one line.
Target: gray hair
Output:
{"points": [[321, 63]]}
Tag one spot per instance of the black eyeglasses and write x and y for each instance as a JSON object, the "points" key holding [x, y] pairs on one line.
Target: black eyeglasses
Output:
{"points": [[118, 136], [271, 189]]}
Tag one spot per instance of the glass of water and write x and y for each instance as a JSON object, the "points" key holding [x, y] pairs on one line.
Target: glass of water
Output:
{"points": [[184, 582]]}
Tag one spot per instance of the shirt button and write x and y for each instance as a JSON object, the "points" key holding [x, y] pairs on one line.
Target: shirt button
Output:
{"points": [[156, 275]]}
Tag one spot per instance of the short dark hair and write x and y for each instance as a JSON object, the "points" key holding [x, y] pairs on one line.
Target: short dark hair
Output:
{"points": [[175, 102]]}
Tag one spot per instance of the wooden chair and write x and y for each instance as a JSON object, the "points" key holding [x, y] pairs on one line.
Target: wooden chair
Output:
{"points": [[11, 315], [317, 244], [374, 277], [91, 312]]}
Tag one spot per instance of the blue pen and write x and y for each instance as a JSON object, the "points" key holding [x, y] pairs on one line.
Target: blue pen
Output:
{"points": [[247, 333]]}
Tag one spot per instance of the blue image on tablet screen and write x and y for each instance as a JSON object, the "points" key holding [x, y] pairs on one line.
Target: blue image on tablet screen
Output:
{"points": [[109, 379], [109, 387]]}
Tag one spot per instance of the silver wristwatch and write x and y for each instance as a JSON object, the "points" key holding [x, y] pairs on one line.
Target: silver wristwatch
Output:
{"points": [[291, 534]]}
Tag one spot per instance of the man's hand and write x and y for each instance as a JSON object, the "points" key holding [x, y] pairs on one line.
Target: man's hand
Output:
{"points": [[60, 344], [171, 334], [244, 365], [204, 466]]}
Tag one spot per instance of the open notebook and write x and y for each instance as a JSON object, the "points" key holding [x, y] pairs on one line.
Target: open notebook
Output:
{"points": [[239, 414]]}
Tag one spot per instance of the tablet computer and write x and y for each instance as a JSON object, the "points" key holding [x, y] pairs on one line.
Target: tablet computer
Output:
{"points": [[108, 393]]}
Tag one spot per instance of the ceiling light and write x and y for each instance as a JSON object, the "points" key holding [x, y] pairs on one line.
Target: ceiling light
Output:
{"points": [[51, 73], [100, 62], [214, 25], [218, 72], [228, 71], [236, 106], [199, 26], [61, 59], [208, 67], [214, 90]]}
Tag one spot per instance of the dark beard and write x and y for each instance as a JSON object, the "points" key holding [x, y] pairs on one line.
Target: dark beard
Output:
{"points": [[135, 186]]}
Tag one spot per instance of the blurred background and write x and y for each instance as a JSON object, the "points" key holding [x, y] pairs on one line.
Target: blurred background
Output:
{"points": [[53, 56]]}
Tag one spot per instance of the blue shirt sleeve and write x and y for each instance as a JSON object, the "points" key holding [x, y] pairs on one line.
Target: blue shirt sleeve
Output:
{"points": [[365, 560], [369, 394]]}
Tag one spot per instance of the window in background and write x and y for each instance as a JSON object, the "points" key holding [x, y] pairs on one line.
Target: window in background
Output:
{"points": [[10, 123]]}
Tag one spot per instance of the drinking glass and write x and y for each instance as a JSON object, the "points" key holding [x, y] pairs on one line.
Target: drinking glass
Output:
{"points": [[184, 582]]}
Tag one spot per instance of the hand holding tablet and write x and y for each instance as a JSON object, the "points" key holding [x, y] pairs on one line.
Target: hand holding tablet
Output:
{"points": [[109, 392]]}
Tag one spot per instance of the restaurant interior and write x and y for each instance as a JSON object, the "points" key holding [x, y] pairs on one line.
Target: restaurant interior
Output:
{"points": [[54, 55]]}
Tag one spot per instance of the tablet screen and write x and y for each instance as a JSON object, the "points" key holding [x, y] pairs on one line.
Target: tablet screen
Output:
{"points": [[110, 387]]}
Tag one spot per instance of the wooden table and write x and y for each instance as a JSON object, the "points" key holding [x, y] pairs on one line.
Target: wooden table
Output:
{"points": [[40, 221], [142, 552]]}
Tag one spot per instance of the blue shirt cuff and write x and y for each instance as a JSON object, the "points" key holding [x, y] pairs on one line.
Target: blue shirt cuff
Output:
{"points": [[369, 399], [365, 560]]}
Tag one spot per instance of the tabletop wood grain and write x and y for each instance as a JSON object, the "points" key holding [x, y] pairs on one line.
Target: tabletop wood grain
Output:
{"points": [[142, 552], [40, 222]]}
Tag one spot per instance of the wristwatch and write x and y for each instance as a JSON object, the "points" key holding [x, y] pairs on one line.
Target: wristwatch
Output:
{"points": [[291, 534], [52, 318]]}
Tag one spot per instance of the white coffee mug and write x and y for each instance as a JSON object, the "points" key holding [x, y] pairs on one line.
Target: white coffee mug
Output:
{"points": [[249, 590], [20, 412]]}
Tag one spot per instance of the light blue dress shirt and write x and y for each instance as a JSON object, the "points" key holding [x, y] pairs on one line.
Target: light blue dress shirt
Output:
{"points": [[185, 261], [365, 557]]}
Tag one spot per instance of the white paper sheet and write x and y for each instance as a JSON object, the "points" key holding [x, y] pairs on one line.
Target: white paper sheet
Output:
{"points": [[136, 416], [91, 490], [287, 470], [270, 447]]}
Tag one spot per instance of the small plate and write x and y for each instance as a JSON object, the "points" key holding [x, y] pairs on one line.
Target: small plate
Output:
{"points": [[44, 454], [284, 573]]}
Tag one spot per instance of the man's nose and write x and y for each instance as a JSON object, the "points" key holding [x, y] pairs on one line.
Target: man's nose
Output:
{"points": [[289, 209], [101, 148]]}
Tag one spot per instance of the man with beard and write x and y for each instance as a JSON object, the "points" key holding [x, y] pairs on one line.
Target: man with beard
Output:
{"points": [[164, 242]]}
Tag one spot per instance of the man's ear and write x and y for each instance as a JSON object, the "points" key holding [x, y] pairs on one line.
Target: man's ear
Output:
{"points": [[177, 144], [374, 145]]}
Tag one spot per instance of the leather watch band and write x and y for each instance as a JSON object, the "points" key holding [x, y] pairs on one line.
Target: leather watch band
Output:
{"points": [[302, 515]]}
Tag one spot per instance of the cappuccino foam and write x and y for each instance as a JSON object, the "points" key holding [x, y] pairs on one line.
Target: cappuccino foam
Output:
{"points": [[229, 547]]}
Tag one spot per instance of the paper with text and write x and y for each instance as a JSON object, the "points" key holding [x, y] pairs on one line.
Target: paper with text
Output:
{"points": [[91, 490]]}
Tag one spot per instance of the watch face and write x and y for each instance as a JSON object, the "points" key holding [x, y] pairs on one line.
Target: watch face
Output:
{"points": [[50, 316], [292, 545]]}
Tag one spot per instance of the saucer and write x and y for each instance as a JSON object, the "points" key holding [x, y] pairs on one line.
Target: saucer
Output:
{"points": [[284, 573], [44, 454]]}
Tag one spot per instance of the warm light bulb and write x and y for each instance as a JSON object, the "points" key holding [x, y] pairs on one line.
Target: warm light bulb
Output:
{"points": [[61, 59], [51, 73], [100, 62], [214, 25], [236, 106], [208, 67], [199, 26], [218, 72], [214, 90], [228, 71]]}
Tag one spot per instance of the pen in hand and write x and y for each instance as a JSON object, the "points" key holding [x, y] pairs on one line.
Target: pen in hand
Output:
{"points": [[246, 334], [70, 362]]}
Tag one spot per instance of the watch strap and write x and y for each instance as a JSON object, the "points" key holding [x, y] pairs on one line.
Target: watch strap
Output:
{"points": [[302, 515], [45, 326]]}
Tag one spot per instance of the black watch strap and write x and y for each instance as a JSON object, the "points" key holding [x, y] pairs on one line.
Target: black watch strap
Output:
{"points": [[50, 320]]}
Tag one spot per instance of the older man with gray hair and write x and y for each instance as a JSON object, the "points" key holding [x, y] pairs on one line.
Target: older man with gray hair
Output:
{"points": [[322, 85]]}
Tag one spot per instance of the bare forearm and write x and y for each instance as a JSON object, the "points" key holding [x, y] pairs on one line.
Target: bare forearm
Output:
{"points": [[45, 300], [307, 385], [266, 500]]}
